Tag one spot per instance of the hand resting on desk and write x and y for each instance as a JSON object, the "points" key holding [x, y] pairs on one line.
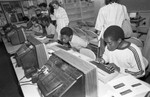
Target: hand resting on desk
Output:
{"points": [[112, 66]]}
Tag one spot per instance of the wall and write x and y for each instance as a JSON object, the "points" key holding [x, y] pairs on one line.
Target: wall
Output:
{"points": [[48, 1], [136, 5], [98, 5]]}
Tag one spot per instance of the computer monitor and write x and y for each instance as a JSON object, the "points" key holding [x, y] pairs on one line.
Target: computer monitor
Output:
{"points": [[16, 36], [133, 15], [31, 54], [41, 52], [68, 76]]}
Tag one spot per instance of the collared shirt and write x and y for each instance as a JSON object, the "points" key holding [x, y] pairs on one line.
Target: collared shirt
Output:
{"points": [[111, 14], [78, 42], [129, 61]]}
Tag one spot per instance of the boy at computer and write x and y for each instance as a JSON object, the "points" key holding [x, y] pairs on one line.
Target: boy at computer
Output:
{"points": [[36, 28], [126, 56], [49, 27], [70, 39]]}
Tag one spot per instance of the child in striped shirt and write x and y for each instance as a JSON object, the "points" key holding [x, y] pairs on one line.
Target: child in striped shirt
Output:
{"points": [[126, 56]]}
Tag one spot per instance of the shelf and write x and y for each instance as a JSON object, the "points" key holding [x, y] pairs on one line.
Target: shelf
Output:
{"points": [[79, 11], [74, 13], [88, 11], [72, 5], [87, 4], [75, 19]]}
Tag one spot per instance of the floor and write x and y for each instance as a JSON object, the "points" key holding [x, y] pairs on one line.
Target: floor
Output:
{"points": [[8, 80]]}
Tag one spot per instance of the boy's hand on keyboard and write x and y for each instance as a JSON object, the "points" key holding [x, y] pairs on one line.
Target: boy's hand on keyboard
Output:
{"points": [[110, 67], [114, 67]]}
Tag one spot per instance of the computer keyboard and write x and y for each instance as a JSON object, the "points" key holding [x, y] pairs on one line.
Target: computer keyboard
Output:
{"points": [[56, 83], [73, 72], [63, 47], [102, 67]]}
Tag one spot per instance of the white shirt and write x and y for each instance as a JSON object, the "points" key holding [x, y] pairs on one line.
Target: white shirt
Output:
{"points": [[62, 19], [111, 14], [126, 59], [78, 42], [50, 29]]}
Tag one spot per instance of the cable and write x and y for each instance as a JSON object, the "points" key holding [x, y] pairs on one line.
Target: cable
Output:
{"points": [[26, 81], [22, 78], [26, 84]]}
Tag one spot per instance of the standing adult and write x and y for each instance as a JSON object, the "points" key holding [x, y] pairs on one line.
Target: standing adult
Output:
{"points": [[61, 16], [51, 14], [112, 13]]}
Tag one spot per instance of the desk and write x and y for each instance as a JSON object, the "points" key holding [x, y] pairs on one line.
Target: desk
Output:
{"points": [[11, 49], [106, 88], [31, 90], [28, 89]]}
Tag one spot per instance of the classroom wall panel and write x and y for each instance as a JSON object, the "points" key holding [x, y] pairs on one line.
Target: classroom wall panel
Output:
{"points": [[136, 5]]}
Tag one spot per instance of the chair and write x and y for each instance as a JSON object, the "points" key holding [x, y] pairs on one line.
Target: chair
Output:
{"points": [[87, 52], [148, 94], [80, 32], [136, 41], [91, 33]]}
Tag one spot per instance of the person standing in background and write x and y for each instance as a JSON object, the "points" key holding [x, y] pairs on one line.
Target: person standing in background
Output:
{"points": [[51, 14], [49, 27], [112, 13], [61, 16]]}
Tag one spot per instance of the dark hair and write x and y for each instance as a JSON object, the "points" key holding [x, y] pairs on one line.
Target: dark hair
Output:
{"points": [[42, 5], [51, 9], [34, 19], [46, 19], [66, 31], [111, 1], [55, 2], [25, 18], [115, 32]]}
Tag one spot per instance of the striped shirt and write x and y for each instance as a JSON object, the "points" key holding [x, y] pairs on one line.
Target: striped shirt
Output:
{"points": [[130, 60]]}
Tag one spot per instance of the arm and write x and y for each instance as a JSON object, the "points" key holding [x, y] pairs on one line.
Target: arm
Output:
{"points": [[136, 63], [99, 21], [126, 13]]}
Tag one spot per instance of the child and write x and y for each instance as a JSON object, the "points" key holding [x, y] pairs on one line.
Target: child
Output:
{"points": [[126, 56], [76, 42], [49, 27], [36, 28], [44, 10]]}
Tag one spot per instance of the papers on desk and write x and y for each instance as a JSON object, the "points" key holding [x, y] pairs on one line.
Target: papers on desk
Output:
{"points": [[43, 39], [40, 37], [127, 86], [51, 45]]}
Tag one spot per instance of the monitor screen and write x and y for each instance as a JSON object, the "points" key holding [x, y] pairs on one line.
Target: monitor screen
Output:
{"points": [[41, 52], [132, 15], [31, 54], [67, 75]]}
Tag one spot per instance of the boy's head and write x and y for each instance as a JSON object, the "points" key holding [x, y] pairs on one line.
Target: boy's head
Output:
{"points": [[111, 1], [25, 19], [66, 34], [43, 6], [34, 20], [113, 36], [46, 21]]}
